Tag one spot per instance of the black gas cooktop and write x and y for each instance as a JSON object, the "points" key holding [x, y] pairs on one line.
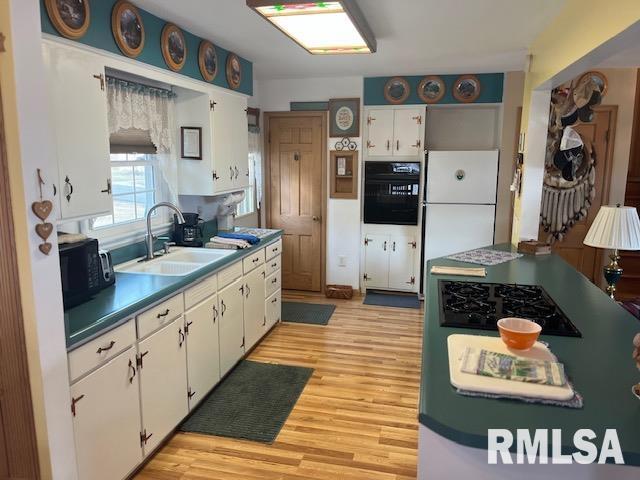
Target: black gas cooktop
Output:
{"points": [[481, 305]]}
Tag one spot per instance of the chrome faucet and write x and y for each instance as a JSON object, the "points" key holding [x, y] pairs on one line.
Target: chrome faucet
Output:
{"points": [[150, 238]]}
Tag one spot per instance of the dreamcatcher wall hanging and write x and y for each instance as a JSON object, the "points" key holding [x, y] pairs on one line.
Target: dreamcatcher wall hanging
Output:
{"points": [[570, 165]]}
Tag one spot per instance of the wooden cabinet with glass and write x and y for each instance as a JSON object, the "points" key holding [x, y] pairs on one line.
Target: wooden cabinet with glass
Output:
{"points": [[344, 174]]}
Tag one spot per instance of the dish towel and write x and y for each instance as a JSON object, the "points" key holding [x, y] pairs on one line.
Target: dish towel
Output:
{"points": [[252, 239], [575, 402], [485, 256], [464, 271], [221, 241]]}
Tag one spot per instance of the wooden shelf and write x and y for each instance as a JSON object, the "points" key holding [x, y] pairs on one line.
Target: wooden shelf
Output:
{"points": [[344, 186]]}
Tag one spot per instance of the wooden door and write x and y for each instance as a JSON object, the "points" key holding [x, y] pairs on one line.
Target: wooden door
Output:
{"points": [[231, 328], [18, 451], [376, 261], [401, 262], [163, 382], [379, 132], [406, 131], [255, 320], [296, 163], [203, 349], [79, 113], [600, 132], [106, 406]]}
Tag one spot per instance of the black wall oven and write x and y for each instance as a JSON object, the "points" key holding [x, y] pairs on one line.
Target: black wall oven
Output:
{"points": [[391, 192]]}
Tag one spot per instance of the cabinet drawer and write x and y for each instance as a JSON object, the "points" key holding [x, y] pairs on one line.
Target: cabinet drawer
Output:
{"points": [[160, 315], [199, 292], [273, 308], [272, 265], [253, 260], [274, 249], [103, 348], [273, 283], [229, 275]]}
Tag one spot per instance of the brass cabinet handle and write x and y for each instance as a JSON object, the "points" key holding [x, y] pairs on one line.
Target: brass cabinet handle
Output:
{"points": [[231, 170], [160, 315], [223, 307], [133, 371], [215, 314], [105, 349], [70, 185], [180, 337], [247, 290], [388, 144], [397, 144], [385, 246]]}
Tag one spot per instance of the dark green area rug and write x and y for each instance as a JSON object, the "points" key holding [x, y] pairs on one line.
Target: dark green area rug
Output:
{"points": [[253, 402], [314, 313], [385, 299]]}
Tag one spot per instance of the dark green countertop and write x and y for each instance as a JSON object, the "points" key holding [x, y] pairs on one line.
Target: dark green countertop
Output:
{"points": [[132, 293], [599, 363]]}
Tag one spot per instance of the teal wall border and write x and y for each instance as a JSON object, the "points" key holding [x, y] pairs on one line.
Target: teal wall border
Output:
{"points": [[490, 91], [99, 36]]}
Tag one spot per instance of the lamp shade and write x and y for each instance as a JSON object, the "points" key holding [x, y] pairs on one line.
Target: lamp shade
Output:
{"points": [[615, 228]]}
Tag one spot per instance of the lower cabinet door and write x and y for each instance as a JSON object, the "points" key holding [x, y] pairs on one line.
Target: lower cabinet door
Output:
{"points": [[401, 263], [163, 382], [376, 261], [203, 351], [106, 420], [273, 309], [231, 327], [254, 315]]}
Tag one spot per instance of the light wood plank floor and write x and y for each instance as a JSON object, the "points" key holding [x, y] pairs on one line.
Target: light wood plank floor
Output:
{"points": [[357, 416]]}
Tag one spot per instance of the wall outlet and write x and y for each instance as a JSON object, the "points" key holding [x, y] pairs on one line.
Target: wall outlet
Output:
{"points": [[342, 261]]}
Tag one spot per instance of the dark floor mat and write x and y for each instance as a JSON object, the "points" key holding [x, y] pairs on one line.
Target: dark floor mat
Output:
{"points": [[385, 299], [314, 313], [253, 402]]}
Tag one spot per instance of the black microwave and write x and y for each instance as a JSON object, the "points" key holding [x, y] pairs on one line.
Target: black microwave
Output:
{"points": [[84, 271]]}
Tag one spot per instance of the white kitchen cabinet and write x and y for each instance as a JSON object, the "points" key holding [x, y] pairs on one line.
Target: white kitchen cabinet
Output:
{"points": [[255, 320], [407, 132], [273, 309], [389, 262], [402, 252], [203, 350], [380, 132], [376, 261], [394, 132], [163, 382], [106, 420], [225, 142], [78, 109], [231, 326]]}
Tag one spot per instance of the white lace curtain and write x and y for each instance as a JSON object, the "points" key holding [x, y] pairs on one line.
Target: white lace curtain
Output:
{"points": [[135, 106]]}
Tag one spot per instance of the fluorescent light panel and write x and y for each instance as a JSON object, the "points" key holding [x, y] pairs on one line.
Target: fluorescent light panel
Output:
{"points": [[319, 27]]}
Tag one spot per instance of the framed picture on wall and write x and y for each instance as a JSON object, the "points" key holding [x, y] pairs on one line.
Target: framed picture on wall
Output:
{"points": [[69, 17], [234, 71], [174, 47], [344, 117], [208, 60], [127, 28], [191, 143]]}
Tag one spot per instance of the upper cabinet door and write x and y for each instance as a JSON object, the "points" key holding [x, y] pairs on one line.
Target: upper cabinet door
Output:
{"points": [[407, 132], [78, 108], [380, 132], [225, 122], [240, 144]]}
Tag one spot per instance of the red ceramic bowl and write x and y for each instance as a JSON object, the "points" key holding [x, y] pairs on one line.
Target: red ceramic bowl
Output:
{"points": [[518, 333]]}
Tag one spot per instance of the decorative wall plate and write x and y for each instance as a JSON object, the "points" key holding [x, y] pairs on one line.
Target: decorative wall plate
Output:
{"points": [[466, 88], [599, 80], [431, 89], [127, 28], [69, 17], [174, 47], [234, 71], [396, 90], [208, 60]]}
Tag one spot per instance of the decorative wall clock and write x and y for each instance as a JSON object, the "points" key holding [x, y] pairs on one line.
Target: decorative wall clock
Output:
{"points": [[344, 115], [208, 60], [69, 17], [127, 28], [174, 47], [431, 89], [466, 88], [234, 71], [396, 90]]}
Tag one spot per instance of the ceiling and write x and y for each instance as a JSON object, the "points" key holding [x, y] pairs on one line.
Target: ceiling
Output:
{"points": [[414, 36]]}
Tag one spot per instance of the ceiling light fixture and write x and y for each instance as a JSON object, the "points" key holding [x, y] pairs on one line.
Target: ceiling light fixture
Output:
{"points": [[321, 28]]}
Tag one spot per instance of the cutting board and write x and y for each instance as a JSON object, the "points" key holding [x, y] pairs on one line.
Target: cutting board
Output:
{"points": [[477, 383]]}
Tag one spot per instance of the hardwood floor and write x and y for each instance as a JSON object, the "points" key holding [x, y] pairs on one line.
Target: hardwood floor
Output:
{"points": [[356, 418]]}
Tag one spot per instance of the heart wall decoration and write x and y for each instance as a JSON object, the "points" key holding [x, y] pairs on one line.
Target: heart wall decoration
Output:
{"points": [[42, 209]]}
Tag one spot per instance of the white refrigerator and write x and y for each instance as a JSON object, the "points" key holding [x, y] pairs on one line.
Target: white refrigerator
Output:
{"points": [[460, 201]]}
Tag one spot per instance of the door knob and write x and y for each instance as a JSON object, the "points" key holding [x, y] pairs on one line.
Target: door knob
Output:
{"points": [[315, 218]]}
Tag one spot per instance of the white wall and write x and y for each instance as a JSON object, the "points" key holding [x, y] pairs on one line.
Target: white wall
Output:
{"points": [[42, 302], [343, 216]]}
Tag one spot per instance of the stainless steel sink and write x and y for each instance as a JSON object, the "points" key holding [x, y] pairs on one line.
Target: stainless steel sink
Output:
{"points": [[179, 262]]}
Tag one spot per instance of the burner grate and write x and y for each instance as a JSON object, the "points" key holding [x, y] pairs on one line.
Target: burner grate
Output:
{"points": [[481, 305]]}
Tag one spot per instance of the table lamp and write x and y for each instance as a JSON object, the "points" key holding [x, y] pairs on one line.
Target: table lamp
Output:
{"points": [[614, 228]]}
